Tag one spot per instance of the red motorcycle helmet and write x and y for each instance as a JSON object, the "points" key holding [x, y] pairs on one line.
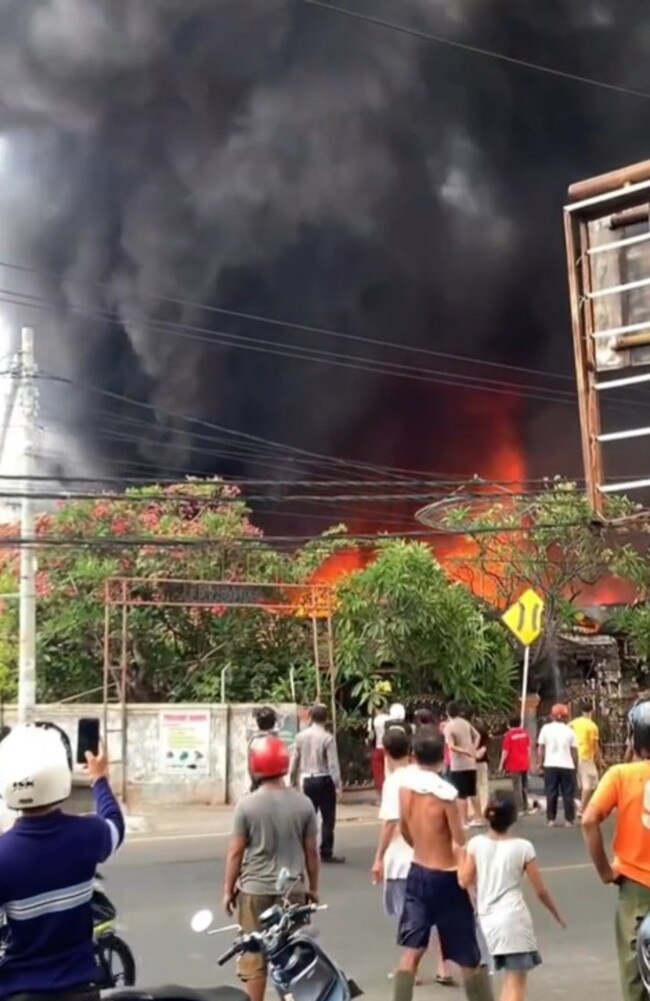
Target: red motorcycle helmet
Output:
{"points": [[269, 758]]}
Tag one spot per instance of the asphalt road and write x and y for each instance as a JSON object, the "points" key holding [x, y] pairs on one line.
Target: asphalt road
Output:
{"points": [[158, 883]]}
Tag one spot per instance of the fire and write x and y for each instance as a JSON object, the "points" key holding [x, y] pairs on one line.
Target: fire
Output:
{"points": [[340, 564], [485, 440], [607, 591], [490, 429]]}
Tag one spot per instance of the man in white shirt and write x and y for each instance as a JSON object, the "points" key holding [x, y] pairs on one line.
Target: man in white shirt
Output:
{"points": [[557, 754], [394, 856]]}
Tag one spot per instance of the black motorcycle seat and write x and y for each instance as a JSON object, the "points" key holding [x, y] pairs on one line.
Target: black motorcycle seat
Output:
{"points": [[172, 992]]}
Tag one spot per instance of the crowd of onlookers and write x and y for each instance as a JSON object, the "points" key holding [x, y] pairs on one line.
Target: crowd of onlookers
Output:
{"points": [[566, 753], [451, 750]]}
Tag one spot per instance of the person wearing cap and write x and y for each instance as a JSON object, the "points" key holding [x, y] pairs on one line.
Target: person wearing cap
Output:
{"points": [[47, 867], [557, 754], [315, 769], [625, 791], [274, 828]]}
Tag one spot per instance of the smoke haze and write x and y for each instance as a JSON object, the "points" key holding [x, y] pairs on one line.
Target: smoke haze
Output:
{"points": [[274, 158]]}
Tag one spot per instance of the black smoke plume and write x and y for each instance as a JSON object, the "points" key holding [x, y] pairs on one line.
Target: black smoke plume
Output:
{"points": [[266, 156]]}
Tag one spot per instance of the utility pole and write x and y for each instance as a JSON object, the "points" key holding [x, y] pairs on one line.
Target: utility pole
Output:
{"points": [[28, 397]]}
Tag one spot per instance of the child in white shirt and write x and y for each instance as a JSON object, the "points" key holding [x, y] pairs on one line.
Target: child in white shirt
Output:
{"points": [[496, 863]]}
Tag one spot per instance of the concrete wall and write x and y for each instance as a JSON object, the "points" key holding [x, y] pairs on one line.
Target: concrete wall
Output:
{"points": [[175, 754]]}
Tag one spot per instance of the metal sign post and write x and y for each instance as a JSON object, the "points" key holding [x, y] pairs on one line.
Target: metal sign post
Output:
{"points": [[524, 619]]}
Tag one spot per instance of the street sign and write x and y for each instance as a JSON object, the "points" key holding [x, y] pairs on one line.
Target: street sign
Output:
{"points": [[524, 618]]}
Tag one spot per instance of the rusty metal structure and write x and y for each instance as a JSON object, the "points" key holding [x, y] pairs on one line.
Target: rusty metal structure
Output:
{"points": [[607, 232], [313, 602]]}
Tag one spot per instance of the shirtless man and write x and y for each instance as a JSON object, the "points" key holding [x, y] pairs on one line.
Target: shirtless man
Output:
{"points": [[430, 822]]}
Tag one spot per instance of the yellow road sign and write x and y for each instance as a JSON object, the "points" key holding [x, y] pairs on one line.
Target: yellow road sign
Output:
{"points": [[524, 618]]}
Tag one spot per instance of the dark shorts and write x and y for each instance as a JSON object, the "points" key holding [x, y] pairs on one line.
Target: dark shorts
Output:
{"points": [[517, 962], [464, 782], [435, 900]]}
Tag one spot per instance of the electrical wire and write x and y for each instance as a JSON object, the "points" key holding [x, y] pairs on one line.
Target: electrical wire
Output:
{"points": [[294, 325], [476, 50], [452, 481], [223, 339], [157, 542], [246, 436], [181, 498]]}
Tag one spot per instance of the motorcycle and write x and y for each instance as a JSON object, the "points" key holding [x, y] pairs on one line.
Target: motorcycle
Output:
{"points": [[115, 962], [299, 968]]}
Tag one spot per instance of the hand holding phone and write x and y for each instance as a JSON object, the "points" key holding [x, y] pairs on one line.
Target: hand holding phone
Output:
{"points": [[97, 764]]}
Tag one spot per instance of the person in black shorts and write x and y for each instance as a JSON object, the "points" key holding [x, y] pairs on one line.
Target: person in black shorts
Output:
{"points": [[430, 822], [462, 744]]}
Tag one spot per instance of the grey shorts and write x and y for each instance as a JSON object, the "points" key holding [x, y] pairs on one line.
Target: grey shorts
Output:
{"points": [[394, 897], [517, 962]]}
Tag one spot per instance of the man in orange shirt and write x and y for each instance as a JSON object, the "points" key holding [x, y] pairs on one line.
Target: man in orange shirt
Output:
{"points": [[626, 789]]}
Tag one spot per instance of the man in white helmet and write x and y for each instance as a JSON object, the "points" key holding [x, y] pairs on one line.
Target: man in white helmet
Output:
{"points": [[47, 867]]}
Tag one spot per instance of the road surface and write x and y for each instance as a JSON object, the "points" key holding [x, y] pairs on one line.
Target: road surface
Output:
{"points": [[158, 882]]}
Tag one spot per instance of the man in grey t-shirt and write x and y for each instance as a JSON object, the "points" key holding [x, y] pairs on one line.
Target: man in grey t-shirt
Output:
{"points": [[274, 828], [462, 742]]}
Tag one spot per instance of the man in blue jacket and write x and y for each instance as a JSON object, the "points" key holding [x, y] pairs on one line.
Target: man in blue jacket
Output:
{"points": [[47, 867]]}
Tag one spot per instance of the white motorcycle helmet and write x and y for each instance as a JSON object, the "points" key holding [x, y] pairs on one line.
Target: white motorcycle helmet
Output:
{"points": [[34, 768]]}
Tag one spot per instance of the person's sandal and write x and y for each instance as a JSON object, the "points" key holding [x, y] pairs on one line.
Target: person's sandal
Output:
{"points": [[445, 981]]}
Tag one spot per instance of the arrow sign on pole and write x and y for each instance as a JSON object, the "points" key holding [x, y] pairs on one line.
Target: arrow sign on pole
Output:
{"points": [[525, 618]]}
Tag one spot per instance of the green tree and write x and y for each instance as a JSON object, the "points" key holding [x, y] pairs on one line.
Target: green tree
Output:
{"points": [[632, 562], [196, 530], [546, 540], [403, 609]]}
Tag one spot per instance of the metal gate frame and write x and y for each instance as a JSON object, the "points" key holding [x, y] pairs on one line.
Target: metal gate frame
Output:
{"points": [[313, 601]]}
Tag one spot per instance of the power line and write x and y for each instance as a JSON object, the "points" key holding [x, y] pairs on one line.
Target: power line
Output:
{"points": [[126, 542], [294, 325], [246, 436], [452, 480], [224, 339], [267, 498], [476, 50]]}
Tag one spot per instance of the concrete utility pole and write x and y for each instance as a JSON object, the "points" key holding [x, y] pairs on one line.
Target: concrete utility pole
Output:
{"points": [[28, 397]]}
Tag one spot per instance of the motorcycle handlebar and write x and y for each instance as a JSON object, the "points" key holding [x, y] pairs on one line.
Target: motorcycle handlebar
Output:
{"points": [[246, 943], [228, 954]]}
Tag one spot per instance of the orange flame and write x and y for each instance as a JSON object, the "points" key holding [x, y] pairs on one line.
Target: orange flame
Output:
{"points": [[485, 440]]}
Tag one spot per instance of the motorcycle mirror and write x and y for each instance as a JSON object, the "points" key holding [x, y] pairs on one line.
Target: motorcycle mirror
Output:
{"points": [[201, 921], [283, 882]]}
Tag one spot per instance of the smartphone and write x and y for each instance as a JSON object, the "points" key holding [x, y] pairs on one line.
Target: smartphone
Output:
{"points": [[88, 735]]}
